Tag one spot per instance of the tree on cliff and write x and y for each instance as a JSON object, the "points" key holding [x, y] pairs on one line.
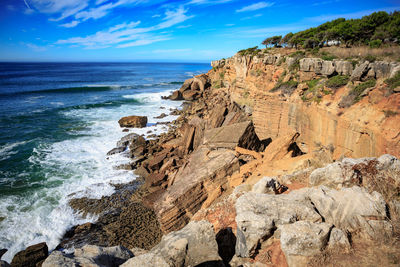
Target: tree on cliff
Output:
{"points": [[376, 28], [274, 40]]}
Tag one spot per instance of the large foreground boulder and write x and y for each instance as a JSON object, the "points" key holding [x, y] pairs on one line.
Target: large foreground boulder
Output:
{"points": [[89, 255], [363, 171], [303, 238], [258, 216], [193, 245], [133, 121], [353, 210], [30, 256]]}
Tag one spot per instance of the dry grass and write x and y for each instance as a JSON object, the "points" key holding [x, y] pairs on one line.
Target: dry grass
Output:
{"points": [[391, 53]]}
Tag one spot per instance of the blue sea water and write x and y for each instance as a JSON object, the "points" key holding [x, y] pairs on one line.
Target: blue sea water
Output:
{"points": [[57, 122]]}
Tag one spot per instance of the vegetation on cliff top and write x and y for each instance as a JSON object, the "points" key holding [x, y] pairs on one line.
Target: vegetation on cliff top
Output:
{"points": [[373, 30]]}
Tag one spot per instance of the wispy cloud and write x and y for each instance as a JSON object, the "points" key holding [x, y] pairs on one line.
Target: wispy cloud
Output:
{"points": [[256, 6], [79, 10], [36, 48], [320, 3], [251, 17], [184, 26], [129, 34], [70, 24], [229, 24], [208, 2]]}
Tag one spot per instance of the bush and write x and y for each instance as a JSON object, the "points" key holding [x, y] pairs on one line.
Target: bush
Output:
{"points": [[359, 89], [370, 58], [327, 56], [393, 82], [337, 81], [312, 83], [375, 43], [252, 51], [286, 87], [355, 95]]}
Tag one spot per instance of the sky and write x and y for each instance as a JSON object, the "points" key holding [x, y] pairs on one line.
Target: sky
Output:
{"points": [[158, 30]]}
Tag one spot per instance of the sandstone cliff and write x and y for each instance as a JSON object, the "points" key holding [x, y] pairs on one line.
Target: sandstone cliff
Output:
{"points": [[363, 129]]}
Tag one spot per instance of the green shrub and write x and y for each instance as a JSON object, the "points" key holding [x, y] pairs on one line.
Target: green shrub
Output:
{"points": [[393, 82], [222, 75], [337, 81], [299, 54], [312, 84], [355, 95], [252, 51], [375, 43], [286, 87], [370, 58], [329, 57]]}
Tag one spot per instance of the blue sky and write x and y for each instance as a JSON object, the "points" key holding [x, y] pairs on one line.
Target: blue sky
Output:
{"points": [[158, 30]]}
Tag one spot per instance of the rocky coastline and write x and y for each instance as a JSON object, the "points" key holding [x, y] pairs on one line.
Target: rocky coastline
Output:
{"points": [[251, 174]]}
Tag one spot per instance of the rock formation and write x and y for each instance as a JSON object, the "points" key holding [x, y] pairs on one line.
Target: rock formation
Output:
{"points": [[133, 121]]}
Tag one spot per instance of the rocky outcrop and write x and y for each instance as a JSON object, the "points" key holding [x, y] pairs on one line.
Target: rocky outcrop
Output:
{"points": [[205, 172], [31, 256], [303, 239], [133, 121], [353, 209], [259, 215], [93, 256], [240, 134], [367, 172], [193, 245]]}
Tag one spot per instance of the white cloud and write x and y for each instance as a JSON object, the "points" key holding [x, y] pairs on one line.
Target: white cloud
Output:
{"points": [[208, 2], [184, 26], [229, 24], [143, 42], [128, 34], [173, 18], [98, 2], [63, 8], [70, 24], [156, 16], [251, 17], [36, 48], [256, 6]]}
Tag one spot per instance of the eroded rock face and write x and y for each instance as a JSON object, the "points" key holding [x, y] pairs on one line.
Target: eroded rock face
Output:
{"points": [[303, 239], [88, 255], [206, 170], [133, 121], [353, 209], [349, 209], [363, 171], [258, 216], [240, 134], [30, 256]]}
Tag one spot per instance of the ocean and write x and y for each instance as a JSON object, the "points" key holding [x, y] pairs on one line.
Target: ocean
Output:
{"points": [[57, 122]]}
